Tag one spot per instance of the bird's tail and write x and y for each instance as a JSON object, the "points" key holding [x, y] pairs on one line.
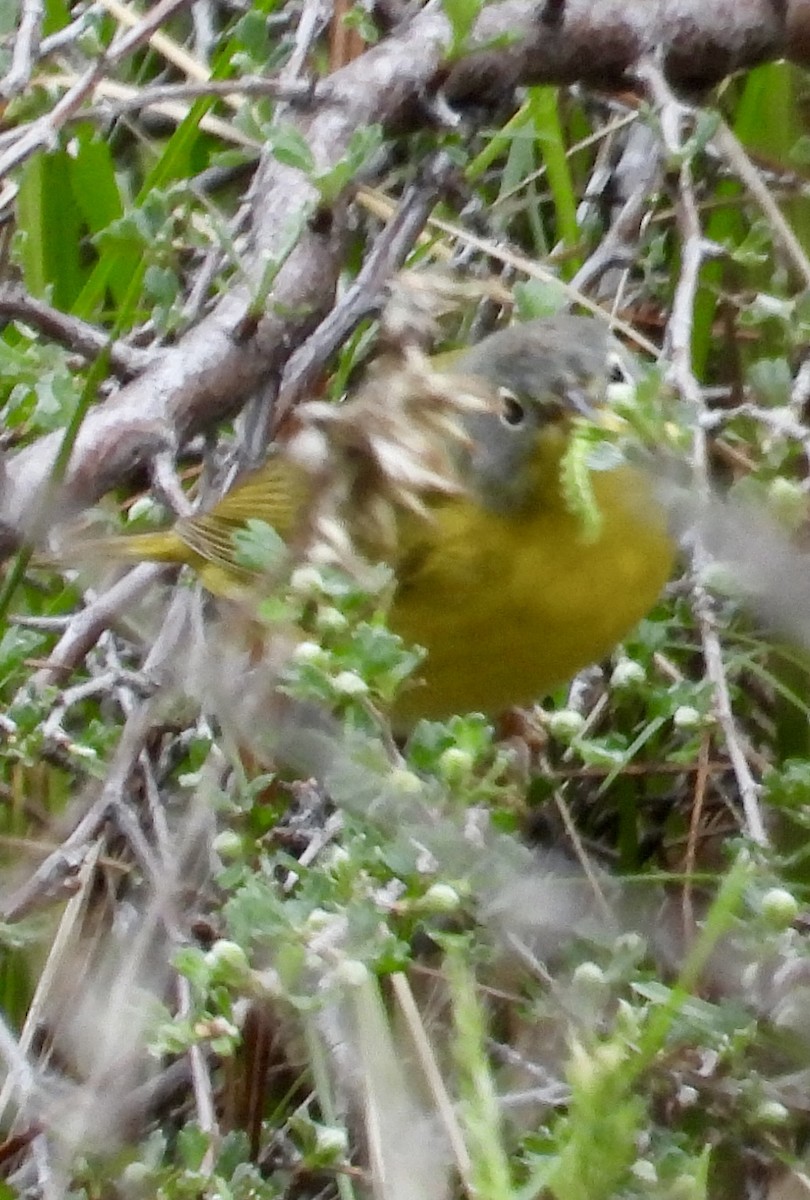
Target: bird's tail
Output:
{"points": [[161, 546]]}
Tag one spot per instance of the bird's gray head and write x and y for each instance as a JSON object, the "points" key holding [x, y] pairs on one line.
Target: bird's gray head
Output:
{"points": [[537, 372]]}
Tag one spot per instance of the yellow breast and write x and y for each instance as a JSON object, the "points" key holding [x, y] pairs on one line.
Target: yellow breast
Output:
{"points": [[510, 606]]}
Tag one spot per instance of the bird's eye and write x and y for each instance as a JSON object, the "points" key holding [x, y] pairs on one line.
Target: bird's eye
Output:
{"points": [[512, 411]]}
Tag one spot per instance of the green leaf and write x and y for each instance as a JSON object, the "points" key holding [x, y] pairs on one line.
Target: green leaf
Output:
{"points": [[548, 129], [362, 145], [259, 547], [162, 284], [192, 1146], [52, 229], [772, 381], [462, 15], [95, 189], [291, 148], [251, 32], [539, 298]]}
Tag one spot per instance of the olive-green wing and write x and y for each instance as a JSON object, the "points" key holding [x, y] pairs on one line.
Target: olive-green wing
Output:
{"points": [[276, 493]]}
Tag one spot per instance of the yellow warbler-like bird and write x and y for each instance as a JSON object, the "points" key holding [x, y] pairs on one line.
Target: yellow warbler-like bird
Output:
{"points": [[500, 582]]}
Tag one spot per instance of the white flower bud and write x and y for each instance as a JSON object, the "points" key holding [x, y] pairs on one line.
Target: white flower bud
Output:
{"points": [[440, 898], [352, 973], [349, 683], [407, 783], [686, 717], [310, 652], [307, 582], [331, 1142], [330, 620]]}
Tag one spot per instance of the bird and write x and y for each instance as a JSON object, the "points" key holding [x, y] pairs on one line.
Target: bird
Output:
{"points": [[497, 578]]}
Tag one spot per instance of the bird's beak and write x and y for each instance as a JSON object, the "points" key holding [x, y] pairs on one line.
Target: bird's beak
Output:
{"points": [[582, 403], [586, 401]]}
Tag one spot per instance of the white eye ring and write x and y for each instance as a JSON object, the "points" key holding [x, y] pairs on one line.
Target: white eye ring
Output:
{"points": [[513, 413]]}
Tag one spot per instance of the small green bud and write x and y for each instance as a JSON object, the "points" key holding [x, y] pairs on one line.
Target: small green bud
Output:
{"points": [[331, 1142], [622, 395], [627, 674], [720, 577], [144, 506], [455, 764], [81, 751], [590, 977], [228, 845], [336, 858], [136, 1180], [685, 1187], [631, 944], [788, 499], [779, 908], [566, 724], [319, 919], [228, 959], [644, 1171], [310, 653], [589, 1066], [407, 783], [609, 1057]]}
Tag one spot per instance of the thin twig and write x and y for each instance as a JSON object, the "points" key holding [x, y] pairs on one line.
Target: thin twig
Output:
{"points": [[51, 879], [696, 816], [72, 332], [295, 91], [109, 97], [366, 294], [733, 152], [43, 132], [679, 333], [71, 33], [64, 935], [433, 1077], [87, 626], [26, 48]]}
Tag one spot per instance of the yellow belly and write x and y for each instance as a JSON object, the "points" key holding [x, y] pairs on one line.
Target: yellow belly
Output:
{"points": [[525, 603]]}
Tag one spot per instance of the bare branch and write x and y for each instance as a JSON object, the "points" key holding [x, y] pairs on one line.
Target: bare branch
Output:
{"points": [[303, 92], [26, 48], [71, 332], [693, 252]]}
